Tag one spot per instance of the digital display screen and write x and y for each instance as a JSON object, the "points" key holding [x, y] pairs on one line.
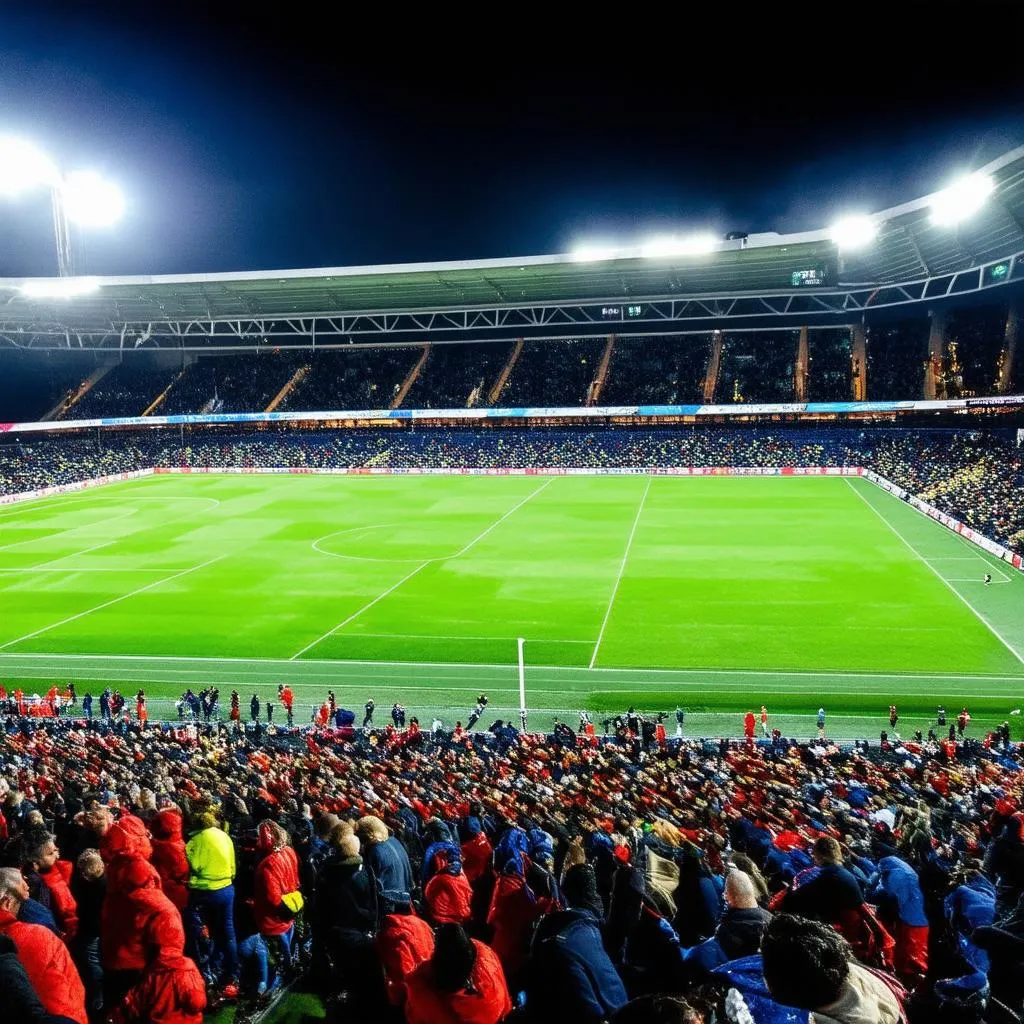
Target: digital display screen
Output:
{"points": [[810, 277], [621, 312]]}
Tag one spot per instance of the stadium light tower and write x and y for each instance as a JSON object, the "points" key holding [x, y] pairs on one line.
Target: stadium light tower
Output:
{"points": [[81, 197]]}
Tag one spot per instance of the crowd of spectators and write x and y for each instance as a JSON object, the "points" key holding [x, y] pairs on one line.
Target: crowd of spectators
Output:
{"points": [[657, 371], [757, 367], [353, 378], [151, 872], [975, 343], [896, 359], [235, 383], [455, 374], [553, 373], [976, 477], [127, 389], [830, 366]]}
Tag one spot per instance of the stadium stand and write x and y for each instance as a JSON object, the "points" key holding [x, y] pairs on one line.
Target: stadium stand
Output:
{"points": [[896, 358], [830, 367], [126, 390], [553, 373], [457, 376], [33, 383], [975, 341], [357, 378], [757, 367], [657, 370]]}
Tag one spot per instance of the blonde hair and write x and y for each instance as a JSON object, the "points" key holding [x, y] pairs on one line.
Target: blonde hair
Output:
{"points": [[90, 864], [371, 829]]}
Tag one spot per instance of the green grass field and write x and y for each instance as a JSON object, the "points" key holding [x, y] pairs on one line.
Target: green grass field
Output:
{"points": [[717, 593]]}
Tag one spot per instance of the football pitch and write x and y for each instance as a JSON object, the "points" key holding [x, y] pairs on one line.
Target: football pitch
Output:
{"points": [[714, 593]]}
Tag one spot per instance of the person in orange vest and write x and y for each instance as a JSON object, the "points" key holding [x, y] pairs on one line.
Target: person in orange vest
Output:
{"points": [[764, 721], [140, 708], [287, 698], [323, 714], [51, 699], [748, 726], [659, 734]]}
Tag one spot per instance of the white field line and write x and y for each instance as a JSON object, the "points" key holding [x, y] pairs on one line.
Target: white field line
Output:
{"points": [[107, 604], [74, 571], [419, 568], [981, 618], [622, 569], [637, 673], [974, 579], [400, 682], [446, 636], [980, 555], [61, 500]]}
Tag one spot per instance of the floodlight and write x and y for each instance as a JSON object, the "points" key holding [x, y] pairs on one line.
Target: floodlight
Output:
{"points": [[672, 245], [961, 199], [854, 232], [59, 287], [90, 200], [24, 167], [594, 253]]}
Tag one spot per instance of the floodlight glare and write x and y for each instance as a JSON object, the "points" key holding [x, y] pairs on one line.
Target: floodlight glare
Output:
{"points": [[90, 200], [59, 287], [594, 253], [853, 232], [23, 167], [671, 245], [961, 199]]}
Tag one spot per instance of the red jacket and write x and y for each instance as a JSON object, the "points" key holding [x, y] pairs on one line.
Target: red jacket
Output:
{"points": [[403, 943], [172, 991], [136, 916], [62, 902], [49, 967], [448, 898], [169, 856], [476, 856], [276, 874], [487, 1004], [512, 915]]}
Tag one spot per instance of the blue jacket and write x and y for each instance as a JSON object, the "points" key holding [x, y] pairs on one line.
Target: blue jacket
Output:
{"points": [[899, 888], [389, 864], [570, 978], [747, 977], [738, 935]]}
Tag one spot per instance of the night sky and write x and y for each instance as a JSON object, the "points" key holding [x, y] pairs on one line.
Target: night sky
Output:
{"points": [[363, 135]]}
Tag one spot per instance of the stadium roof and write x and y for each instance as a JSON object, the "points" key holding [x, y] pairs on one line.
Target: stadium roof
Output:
{"points": [[796, 275]]}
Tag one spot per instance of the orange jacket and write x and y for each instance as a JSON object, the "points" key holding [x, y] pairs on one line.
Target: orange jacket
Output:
{"points": [[448, 898], [487, 1003], [403, 943], [49, 967]]}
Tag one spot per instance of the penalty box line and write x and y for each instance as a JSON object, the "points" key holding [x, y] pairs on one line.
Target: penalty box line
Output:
{"points": [[419, 568]]}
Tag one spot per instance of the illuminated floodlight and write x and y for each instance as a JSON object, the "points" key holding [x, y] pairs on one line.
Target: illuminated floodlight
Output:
{"points": [[854, 232], [23, 167], [59, 287], [595, 253], [962, 199], [673, 245], [90, 200]]}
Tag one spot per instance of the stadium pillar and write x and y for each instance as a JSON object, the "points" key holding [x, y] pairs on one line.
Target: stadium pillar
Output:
{"points": [[934, 386], [859, 362], [801, 368], [1009, 352]]}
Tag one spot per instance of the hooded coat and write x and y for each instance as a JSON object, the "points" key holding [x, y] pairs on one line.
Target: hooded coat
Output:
{"points": [[403, 943], [901, 901], [276, 875], [49, 967], [172, 991], [570, 976], [446, 889], [136, 916], [863, 999], [738, 935], [486, 1001], [169, 856]]}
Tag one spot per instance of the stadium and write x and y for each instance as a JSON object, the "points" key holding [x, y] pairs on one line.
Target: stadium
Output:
{"points": [[600, 633]]}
